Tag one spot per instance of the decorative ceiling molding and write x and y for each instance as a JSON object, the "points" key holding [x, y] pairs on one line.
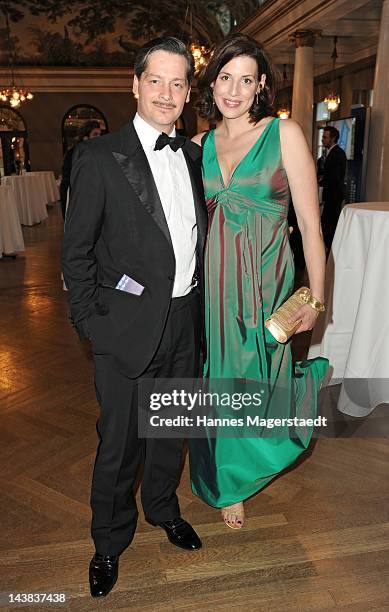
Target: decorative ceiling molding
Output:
{"points": [[101, 80], [275, 23], [69, 80]]}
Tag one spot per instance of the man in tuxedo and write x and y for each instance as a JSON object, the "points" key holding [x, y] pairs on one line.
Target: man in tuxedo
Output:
{"points": [[132, 260], [331, 177]]}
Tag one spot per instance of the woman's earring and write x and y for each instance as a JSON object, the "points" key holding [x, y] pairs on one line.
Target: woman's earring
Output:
{"points": [[257, 98]]}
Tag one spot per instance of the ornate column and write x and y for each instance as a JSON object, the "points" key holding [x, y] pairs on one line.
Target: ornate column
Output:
{"points": [[377, 179], [302, 100]]}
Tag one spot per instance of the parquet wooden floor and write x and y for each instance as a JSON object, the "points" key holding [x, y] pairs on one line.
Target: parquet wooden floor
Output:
{"points": [[317, 538]]}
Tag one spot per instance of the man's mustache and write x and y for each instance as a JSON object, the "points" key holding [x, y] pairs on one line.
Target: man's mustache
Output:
{"points": [[164, 105]]}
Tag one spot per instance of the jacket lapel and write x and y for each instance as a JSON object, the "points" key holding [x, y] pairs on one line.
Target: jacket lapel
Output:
{"points": [[135, 167], [194, 168], [331, 154]]}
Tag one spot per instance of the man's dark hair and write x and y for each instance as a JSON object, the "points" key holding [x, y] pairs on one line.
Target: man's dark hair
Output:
{"points": [[333, 132], [88, 127], [168, 44], [237, 45]]}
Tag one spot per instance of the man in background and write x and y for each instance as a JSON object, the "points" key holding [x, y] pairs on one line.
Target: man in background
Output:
{"points": [[331, 178], [90, 129]]}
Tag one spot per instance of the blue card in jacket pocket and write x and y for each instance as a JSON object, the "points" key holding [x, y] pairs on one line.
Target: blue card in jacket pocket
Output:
{"points": [[129, 285]]}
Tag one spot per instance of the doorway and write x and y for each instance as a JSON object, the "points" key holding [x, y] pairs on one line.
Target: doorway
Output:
{"points": [[14, 153]]}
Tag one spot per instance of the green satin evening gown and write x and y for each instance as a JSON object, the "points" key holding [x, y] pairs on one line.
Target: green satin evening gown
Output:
{"points": [[249, 272]]}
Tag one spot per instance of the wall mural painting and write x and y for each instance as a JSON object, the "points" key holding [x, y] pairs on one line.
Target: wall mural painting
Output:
{"points": [[92, 33]]}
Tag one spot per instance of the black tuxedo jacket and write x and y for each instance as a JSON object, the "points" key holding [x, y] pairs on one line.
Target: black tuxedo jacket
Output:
{"points": [[333, 176], [115, 226]]}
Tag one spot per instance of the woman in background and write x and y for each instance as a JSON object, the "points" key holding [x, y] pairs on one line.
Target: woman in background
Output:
{"points": [[251, 163]]}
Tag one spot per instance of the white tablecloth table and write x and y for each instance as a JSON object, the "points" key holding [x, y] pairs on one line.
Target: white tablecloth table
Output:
{"points": [[30, 197], [49, 185], [11, 238], [353, 333]]}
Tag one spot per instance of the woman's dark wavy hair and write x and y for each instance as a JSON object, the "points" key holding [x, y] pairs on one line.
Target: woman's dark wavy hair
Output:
{"points": [[233, 46]]}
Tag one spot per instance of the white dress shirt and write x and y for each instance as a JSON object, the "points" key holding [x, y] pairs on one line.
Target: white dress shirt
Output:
{"points": [[172, 179]]}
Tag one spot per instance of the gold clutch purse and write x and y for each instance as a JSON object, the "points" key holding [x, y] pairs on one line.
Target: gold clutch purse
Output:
{"points": [[278, 323]]}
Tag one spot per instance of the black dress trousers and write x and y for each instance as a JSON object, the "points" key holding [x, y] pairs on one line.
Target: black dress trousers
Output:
{"points": [[120, 453], [330, 217]]}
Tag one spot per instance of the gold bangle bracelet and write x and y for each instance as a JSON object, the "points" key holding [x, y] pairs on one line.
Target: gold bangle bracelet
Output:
{"points": [[316, 304]]}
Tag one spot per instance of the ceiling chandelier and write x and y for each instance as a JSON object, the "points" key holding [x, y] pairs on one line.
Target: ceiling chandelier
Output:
{"points": [[200, 55], [12, 95], [283, 113], [284, 110], [332, 100]]}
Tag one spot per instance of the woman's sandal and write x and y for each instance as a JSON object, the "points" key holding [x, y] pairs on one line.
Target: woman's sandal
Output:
{"points": [[233, 515]]}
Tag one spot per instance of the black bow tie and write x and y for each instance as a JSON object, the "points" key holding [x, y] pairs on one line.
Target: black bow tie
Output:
{"points": [[174, 143]]}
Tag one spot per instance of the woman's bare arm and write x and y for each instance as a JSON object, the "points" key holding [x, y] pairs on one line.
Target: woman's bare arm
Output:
{"points": [[301, 173]]}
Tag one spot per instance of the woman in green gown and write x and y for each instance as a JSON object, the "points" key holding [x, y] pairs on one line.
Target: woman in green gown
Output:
{"points": [[251, 163]]}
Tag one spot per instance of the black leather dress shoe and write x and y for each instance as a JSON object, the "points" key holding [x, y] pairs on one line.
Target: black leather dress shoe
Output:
{"points": [[103, 573], [180, 533]]}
